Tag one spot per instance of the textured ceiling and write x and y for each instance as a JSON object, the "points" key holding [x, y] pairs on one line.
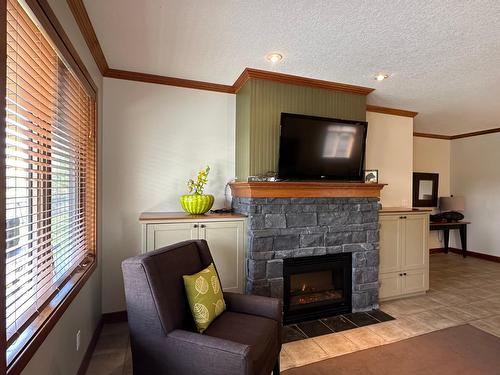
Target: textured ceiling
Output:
{"points": [[443, 56]]}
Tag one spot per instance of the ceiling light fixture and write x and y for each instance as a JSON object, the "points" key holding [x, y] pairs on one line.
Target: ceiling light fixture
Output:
{"points": [[381, 77], [274, 57]]}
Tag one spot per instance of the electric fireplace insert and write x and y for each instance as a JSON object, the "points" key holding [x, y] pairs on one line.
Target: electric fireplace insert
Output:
{"points": [[316, 287]]}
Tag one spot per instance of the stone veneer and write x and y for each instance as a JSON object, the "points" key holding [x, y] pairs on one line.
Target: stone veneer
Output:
{"points": [[281, 228]]}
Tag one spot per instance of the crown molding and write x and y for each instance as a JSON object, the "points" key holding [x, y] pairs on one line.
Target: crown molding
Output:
{"points": [[474, 134], [170, 81], [82, 19], [390, 111], [250, 73], [457, 136], [429, 135]]}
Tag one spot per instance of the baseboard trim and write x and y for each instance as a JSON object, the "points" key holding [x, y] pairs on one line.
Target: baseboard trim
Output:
{"points": [[90, 349], [473, 254], [115, 317]]}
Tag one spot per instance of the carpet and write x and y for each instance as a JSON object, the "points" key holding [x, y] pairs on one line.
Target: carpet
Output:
{"points": [[456, 350]]}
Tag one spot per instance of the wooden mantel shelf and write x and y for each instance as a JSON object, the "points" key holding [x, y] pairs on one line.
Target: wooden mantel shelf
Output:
{"points": [[288, 189]]}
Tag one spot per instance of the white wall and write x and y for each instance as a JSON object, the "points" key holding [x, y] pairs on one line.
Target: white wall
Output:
{"points": [[57, 355], [155, 138], [475, 174], [389, 148], [433, 156]]}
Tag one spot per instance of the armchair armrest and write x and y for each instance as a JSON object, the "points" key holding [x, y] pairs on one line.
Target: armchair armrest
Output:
{"points": [[219, 356], [255, 305]]}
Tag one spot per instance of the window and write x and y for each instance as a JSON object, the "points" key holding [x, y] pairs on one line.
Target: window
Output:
{"points": [[50, 171]]}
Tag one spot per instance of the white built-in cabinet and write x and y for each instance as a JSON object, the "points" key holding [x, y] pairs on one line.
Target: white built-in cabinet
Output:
{"points": [[404, 253], [225, 235]]}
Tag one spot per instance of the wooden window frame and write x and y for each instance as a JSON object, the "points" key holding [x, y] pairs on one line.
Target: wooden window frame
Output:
{"points": [[55, 307]]}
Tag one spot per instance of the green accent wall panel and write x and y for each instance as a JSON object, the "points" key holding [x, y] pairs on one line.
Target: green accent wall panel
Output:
{"points": [[258, 108]]}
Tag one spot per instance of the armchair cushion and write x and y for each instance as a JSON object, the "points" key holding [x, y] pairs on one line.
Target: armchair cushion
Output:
{"points": [[204, 294], [260, 334]]}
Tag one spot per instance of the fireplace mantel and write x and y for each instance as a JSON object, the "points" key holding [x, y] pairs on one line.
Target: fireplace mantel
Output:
{"points": [[305, 189]]}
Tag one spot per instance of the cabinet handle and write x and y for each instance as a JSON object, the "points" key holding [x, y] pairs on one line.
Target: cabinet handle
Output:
{"points": [[195, 226], [400, 274], [404, 273], [202, 225]]}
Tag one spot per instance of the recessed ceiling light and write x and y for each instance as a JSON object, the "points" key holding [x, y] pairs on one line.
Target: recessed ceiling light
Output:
{"points": [[274, 57], [381, 77]]}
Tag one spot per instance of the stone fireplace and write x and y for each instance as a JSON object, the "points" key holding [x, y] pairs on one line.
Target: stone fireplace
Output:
{"points": [[281, 228]]}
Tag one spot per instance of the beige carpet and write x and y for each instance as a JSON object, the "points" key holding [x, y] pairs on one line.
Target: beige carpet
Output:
{"points": [[456, 350]]}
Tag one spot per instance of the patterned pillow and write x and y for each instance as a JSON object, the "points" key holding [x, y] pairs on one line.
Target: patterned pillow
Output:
{"points": [[205, 297]]}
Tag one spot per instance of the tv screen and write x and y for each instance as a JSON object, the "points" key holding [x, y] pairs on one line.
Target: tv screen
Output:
{"points": [[318, 148]]}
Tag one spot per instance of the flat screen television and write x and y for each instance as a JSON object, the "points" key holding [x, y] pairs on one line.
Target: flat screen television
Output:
{"points": [[319, 148]]}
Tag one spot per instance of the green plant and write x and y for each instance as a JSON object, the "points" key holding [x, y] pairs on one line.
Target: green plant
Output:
{"points": [[197, 187]]}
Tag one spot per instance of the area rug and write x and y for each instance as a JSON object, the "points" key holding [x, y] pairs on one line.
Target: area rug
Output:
{"points": [[456, 350]]}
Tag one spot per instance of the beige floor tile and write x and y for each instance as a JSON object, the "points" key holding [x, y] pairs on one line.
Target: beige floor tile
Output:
{"points": [[286, 361], [413, 326], [389, 331], [304, 351], [363, 337], [107, 364], [335, 344], [435, 320], [458, 316], [476, 311]]}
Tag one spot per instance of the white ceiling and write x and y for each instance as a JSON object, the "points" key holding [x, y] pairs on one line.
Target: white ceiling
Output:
{"points": [[443, 55]]}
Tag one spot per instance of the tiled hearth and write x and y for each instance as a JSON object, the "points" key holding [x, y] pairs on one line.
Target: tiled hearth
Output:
{"points": [[339, 323]]}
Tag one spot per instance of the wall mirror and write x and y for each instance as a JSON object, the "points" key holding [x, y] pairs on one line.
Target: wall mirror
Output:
{"points": [[425, 189]]}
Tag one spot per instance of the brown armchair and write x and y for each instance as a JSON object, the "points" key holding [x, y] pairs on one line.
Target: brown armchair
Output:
{"points": [[245, 339]]}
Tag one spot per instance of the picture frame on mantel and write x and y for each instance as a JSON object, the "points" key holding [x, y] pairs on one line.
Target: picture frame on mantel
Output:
{"points": [[371, 176]]}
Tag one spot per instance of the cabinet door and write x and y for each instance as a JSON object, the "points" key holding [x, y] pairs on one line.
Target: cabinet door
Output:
{"points": [[226, 243], [390, 285], [390, 243], [160, 235], [415, 281], [416, 253]]}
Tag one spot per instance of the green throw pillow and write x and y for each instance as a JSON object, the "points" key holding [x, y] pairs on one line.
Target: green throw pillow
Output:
{"points": [[205, 296]]}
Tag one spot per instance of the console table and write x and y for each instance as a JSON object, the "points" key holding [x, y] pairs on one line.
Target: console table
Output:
{"points": [[445, 227]]}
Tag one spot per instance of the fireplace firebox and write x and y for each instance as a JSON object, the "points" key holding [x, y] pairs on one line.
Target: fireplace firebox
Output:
{"points": [[316, 286]]}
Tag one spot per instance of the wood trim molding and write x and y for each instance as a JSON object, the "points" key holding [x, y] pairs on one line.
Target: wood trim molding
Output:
{"points": [[390, 111], [434, 136], [171, 81], [115, 317], [286, 189], [474, 134], [82, 19], [64, 299], [45, 15], [473, 254], [457, 136], [250, 73]]}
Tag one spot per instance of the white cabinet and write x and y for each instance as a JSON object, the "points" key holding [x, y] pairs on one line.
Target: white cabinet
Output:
{"points": [[225, 236], [404, 253]]}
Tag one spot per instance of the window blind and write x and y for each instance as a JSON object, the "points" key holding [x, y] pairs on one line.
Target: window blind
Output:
{"points": [[50, 169]]}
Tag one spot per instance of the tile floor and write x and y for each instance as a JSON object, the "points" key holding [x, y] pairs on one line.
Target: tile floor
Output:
{"points": [[462, 291]]}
